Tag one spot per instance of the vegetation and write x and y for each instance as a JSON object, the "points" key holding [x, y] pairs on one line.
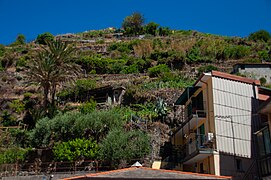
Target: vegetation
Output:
{"points": [[133, 24], [124, 146], [261, 35], [158, 70], [13, 155], [44, 38], [64, 127], [49, 87], [51, 67], [76, 149]]}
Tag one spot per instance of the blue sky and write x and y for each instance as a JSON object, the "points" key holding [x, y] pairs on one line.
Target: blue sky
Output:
{"points": [[224, 17]]}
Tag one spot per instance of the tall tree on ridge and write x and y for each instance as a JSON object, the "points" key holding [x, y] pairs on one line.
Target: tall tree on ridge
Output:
{"points": [[133, 24]]}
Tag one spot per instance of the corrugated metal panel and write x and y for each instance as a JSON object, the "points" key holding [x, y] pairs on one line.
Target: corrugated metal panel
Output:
{"points": [[233, 101]]}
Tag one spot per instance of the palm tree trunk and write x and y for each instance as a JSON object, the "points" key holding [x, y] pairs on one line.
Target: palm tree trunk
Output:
{"points": [[45, 97], [53, 94]]}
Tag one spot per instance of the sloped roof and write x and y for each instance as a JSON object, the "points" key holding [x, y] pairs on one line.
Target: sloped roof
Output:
{"points": [[235, 78], [147, 173]]}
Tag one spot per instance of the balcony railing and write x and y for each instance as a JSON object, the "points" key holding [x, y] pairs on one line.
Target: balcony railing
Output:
{"points": [[198, 144]]}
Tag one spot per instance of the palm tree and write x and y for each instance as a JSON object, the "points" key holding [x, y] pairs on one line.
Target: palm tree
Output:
{"points": [[51, 67]]}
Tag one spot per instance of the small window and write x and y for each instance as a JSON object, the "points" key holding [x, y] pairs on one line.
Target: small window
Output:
{"points": [[239, 165], [242, 67]]}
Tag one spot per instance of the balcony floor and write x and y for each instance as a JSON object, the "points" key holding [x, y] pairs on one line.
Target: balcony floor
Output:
{"points": [[198, 156]]}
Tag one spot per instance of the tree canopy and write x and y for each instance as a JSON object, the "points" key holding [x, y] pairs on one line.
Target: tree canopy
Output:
{"points": [[133, 24], [44, 38], [260, 35], [51, 67]]}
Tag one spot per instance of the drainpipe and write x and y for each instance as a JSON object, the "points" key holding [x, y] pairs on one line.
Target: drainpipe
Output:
{"points": [[207, 107]]}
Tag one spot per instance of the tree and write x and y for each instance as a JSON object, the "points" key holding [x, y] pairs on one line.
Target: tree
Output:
{"points": [[51, 67], [164, 31], [151, 28], [260, 35], [20, 39], [133, 24], [124, 146], [44, 38]]}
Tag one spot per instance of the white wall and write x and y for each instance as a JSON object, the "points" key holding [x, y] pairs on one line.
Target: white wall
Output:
{"points": [[233, 116]]}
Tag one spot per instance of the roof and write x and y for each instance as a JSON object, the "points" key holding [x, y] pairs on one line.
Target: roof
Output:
{"points": [[235, 78], [147, 173]]}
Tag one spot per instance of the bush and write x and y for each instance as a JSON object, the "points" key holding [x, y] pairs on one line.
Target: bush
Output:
{"points": [[207, 68], [263, 55], [64, 127], [75, 150], [130, 69], [44, 38], [124, 146], [87, 107], [13, 155], [262, 81], [158, 70], [17, 106], [2, 50], [261, 35]]}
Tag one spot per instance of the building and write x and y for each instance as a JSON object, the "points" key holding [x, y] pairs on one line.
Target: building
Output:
{"points": [[254, 71], [263, 141], [219, 116]]}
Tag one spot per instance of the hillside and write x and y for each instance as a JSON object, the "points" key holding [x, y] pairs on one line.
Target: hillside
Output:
{"points": [[110, 84]]}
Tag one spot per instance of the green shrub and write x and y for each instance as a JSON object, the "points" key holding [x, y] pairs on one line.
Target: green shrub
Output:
{"points": [[44, 38], [22, 62], [262, 81], [17, 106], [82, 85], [87, 107], [64, 127], [263, 55], [194, 54], [130, 69], [75, 150], [261, 35], [158, 70], [13, 155], [2, 50], [207, 68], [124, 146]]}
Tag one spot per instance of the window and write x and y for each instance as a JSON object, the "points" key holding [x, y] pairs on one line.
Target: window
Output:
{"points": [[239, 165]]}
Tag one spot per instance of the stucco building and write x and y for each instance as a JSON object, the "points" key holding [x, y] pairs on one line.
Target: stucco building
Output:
{"points": [[218, 122]]}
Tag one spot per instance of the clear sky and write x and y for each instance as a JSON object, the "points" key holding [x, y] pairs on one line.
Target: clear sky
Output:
{"points": [[223, 17]]}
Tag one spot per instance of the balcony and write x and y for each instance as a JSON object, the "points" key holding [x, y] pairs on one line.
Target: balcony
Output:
{"points": [[197, 148]]}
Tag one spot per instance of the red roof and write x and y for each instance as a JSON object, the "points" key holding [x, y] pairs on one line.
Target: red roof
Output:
{"points": [[146, 173], [235, 78]]}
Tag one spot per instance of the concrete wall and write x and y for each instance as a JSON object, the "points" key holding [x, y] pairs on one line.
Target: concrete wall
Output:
{"points": [[228, 166], [256, 72]]}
